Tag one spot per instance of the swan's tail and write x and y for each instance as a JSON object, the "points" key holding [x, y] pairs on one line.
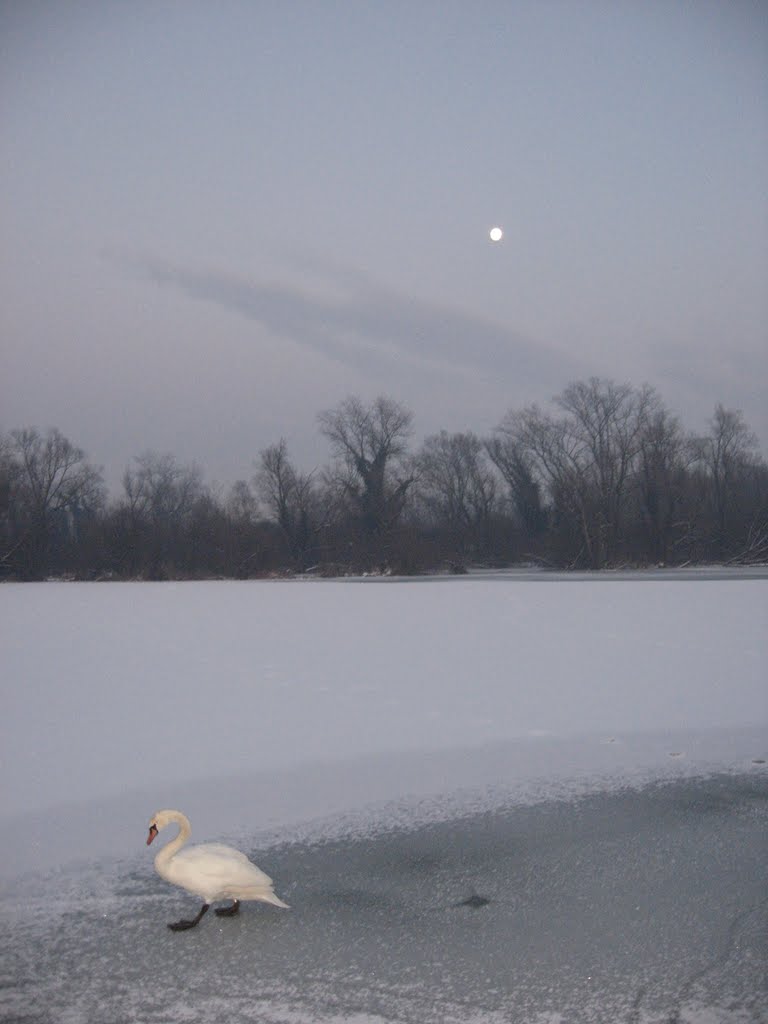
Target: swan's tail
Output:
{"points": [[275, 901], [264, 895]]}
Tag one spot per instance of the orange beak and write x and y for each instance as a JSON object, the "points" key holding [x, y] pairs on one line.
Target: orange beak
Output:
{"points": [[152, 833]]}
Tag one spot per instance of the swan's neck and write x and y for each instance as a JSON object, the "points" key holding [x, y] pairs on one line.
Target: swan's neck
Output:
{"points": [[169, 851]]}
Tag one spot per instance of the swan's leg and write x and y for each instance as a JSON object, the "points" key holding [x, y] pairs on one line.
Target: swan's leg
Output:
{"points": [[182, 926], [229, 911]]}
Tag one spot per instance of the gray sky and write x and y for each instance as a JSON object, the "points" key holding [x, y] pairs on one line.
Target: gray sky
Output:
{"points": [[220, 218]]}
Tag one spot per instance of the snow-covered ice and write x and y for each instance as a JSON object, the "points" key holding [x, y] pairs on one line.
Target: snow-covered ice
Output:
{"points": [[589, 755], [116, 687]]}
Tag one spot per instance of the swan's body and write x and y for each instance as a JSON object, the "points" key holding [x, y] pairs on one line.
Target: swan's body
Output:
{"points": [[211, 871]]}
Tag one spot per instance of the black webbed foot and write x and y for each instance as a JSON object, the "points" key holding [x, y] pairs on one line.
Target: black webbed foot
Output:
{"points": [[183, 926], [229, 911]]}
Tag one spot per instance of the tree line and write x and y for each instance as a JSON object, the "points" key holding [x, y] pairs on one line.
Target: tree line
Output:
{"points": [[604, 477]]}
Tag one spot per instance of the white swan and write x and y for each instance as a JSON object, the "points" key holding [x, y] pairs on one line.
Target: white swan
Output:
{"points": [[211, 871]]}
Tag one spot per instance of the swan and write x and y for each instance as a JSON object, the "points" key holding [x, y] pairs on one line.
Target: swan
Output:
{"points": [[211, 871]]}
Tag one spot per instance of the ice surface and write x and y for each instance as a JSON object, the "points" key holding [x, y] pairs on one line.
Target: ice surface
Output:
{"points": [[642, 905], [115, 687], [587, 755]]}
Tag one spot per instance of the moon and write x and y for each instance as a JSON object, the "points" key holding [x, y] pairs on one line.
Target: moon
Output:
{"points": [[495, 234]]}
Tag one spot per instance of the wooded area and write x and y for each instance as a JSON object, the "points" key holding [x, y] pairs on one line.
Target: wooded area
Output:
{"points": [[605, 477]]}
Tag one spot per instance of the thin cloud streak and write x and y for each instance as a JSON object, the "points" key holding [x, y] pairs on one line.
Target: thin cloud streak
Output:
{"points": [[369, 327]]}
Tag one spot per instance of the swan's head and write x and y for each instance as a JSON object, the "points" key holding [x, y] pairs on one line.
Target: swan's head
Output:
{"points": [[160, 820]]}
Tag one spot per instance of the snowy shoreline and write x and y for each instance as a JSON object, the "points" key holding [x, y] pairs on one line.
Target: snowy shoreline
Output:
{"points": [[332, 697], [645, 902], [379, 793]]}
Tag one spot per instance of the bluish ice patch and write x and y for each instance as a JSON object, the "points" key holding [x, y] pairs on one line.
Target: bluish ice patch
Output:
{"points": [[647, 905]]}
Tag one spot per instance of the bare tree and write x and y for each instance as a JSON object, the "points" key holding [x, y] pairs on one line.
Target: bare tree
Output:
{"points": [[160, 499], [516, 466], [729, 454], [458, 489], [583, 459], [242, 505], [753, 542], [370, 444], [8, 474], [53, 474], [294, 500], [51, 489], [544, 467], [664, 456], [605, 423], [160, 488]]}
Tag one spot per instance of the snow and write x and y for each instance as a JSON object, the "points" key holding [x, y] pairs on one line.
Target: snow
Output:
{"points": [[382, 748], [116, 687]]}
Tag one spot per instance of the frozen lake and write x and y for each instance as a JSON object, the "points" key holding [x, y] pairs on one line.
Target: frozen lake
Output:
{"points": [[641, 905], [586, 756]]}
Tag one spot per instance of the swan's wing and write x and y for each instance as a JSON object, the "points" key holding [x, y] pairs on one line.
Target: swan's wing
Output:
{"points": [[206, 851], [216, 863]]}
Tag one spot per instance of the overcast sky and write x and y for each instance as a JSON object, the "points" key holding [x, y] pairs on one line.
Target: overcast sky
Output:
{"points": [[220, 218]]}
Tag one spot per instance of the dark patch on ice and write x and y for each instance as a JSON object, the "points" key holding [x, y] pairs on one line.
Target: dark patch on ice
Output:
{"points": [[475, 901]]}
